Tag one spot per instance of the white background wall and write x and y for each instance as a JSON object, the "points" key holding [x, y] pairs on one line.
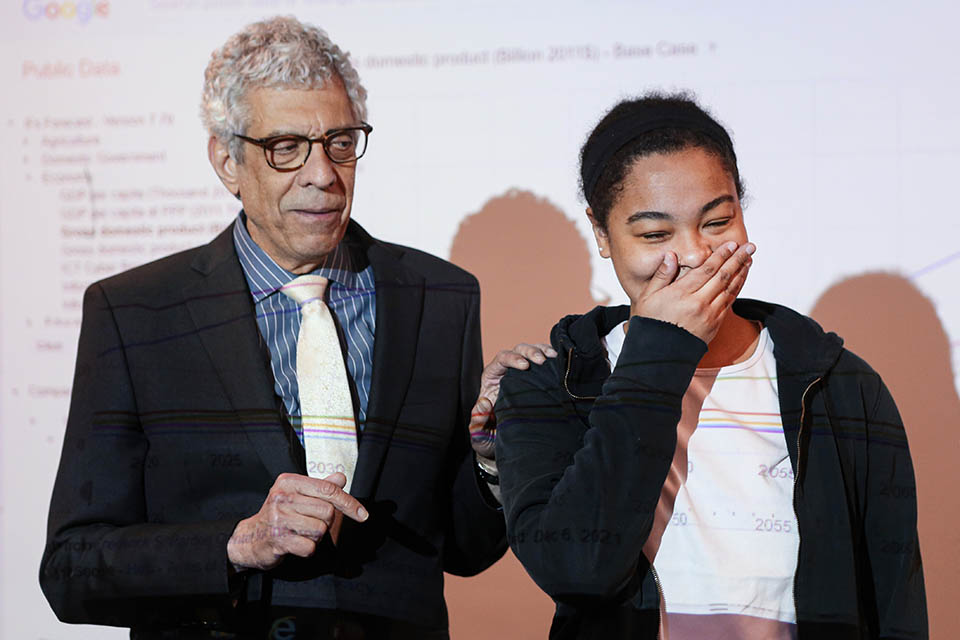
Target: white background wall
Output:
{"points": [[844, 116]]}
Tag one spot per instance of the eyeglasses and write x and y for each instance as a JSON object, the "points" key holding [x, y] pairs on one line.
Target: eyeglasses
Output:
{"points": [[290, 152]]}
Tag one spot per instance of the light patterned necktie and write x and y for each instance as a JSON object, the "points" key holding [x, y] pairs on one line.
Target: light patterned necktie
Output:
{"points": [[326, 407]]}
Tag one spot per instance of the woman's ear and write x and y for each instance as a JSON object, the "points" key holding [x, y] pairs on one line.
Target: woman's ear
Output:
{"points": [[603, 242]]}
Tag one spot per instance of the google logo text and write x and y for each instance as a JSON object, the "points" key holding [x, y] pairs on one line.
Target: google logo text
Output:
{"points": [[83, 11]]}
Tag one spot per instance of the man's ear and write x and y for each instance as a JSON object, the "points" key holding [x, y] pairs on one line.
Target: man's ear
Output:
{"points": [[223, 164], [603, 242]]}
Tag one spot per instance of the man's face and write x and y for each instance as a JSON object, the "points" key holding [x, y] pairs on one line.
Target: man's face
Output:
{"points": [[297, 217], [684, 202]]}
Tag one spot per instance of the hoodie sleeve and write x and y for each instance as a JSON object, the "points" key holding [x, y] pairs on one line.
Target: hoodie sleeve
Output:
{"points": [[580, 484], [890, 523]]}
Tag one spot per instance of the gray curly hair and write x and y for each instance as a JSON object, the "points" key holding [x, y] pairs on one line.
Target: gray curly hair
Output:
{"points": [[279, 52]]}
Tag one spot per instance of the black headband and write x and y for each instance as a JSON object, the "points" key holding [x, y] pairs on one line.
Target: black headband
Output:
{"points": [[625, 130]]}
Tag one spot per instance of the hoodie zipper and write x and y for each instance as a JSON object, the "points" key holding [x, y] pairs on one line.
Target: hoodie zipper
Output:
{"points": [[567, 375], [796, 477], [662, 602]]}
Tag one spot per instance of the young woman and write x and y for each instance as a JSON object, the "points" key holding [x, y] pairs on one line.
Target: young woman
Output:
{"points": [[693, 465]]}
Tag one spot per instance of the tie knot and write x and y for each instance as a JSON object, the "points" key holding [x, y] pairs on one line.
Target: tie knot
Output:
{"points": [[305, 289]]}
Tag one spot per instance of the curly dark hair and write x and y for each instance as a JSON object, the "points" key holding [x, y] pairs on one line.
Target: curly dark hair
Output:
{"points": [[661, 140]]}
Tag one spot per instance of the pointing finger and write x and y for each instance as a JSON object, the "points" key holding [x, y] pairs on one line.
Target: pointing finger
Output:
{"points": [[330, 489]]}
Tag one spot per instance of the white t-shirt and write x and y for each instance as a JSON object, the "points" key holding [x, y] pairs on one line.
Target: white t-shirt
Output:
{"points": [[724, 543]]}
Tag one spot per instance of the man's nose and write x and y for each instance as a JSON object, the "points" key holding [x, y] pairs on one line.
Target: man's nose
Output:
{"points": [[318, 171]]}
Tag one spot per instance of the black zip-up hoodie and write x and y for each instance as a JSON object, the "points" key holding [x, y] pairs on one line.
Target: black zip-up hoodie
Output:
{"points": [[583, 454]]}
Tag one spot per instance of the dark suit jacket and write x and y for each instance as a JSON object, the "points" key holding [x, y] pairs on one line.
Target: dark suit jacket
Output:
{"points": [[175, 434]]}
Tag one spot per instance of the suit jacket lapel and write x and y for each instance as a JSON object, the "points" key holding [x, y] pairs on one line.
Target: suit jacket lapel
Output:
{"points": [[399, 295], [224, 317]]}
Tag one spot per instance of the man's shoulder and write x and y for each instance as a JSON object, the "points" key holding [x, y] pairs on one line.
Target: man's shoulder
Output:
{"points": [[166, 275], [430, 267]]}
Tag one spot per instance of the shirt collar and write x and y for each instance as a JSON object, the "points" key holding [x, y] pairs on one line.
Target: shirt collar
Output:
{"points": [[265, 276]]}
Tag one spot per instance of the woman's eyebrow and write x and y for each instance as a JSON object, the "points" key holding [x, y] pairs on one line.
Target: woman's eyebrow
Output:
{"points": [[648, 215], [660, 215], [716, 202]]}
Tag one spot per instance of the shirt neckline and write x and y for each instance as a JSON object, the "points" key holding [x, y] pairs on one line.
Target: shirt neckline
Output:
{"points": [[739, 367], [616, 344], [265, 277]]}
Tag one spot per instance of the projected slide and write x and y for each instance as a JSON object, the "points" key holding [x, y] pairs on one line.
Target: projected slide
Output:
{"points": [[845, 122]]}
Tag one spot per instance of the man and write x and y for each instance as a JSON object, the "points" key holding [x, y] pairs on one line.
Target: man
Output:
{"points": [[197, 494]]}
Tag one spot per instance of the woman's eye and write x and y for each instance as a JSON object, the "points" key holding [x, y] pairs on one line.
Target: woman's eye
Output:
{"points": [[718, 223], [654, 235]]}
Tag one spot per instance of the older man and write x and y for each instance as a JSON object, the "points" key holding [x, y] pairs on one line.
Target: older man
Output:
{"points": [[268, 434]]}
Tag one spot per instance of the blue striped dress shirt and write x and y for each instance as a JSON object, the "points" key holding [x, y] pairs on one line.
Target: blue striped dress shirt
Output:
{"points": [[351, 295]]}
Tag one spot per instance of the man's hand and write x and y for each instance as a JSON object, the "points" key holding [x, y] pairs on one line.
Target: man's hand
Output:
{"points": [[298, 511], [700, 299], [483, 423]]}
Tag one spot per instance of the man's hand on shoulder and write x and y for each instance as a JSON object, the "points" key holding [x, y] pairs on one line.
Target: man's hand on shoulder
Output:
{"points": [[298, 511], [483, 423]]}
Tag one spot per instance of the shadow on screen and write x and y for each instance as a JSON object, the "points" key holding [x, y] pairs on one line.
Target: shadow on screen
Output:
{"points": [[886, 320], [534, 268]]}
